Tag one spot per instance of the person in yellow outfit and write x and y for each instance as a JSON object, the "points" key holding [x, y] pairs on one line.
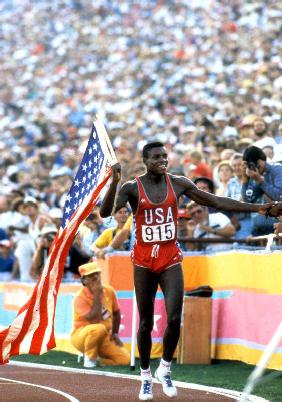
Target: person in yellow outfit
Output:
{"points": [[102, 245], [96, 320]]}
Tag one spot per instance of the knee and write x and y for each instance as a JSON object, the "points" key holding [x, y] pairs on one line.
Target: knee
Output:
{"points": [[174, 320], [124, 360], [146, 325], [97, 330]]}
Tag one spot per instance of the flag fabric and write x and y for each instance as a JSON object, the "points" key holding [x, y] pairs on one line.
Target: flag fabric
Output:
{"points": [[32, 331]]}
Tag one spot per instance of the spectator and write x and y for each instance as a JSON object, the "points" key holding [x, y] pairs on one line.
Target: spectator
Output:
{"points": [[127, 232], [30, 208], [46, 238], [56, 215], [184, 229], [91, 231], [8, 262], [262, 182], [102, 244], [210, 225], [262, 139], [241, 220], [75, 258], [197, 166], [246, 127], [205, 184], [96, 320], [225, 173], [24, 246]]}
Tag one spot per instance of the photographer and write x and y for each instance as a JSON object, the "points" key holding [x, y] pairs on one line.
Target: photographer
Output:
{"points": [[47, 235], [75, 258], [262, 183]]}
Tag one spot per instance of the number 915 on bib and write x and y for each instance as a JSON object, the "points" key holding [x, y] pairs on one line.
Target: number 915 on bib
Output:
{"points": [[156, 233]]}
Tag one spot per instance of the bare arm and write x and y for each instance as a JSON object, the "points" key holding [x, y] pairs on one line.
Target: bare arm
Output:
{"points": [[221, 203], [120, 238], [116, 324], [109, 199]]}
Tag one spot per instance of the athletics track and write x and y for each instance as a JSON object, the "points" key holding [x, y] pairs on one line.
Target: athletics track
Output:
{"points": [[22, 382]]}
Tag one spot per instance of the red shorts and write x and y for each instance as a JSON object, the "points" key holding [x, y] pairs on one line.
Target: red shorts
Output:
{"points": [[156, 257]]}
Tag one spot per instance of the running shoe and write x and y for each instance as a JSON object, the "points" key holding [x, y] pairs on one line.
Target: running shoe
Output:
{"points": [[165, 378], [146, 391]]}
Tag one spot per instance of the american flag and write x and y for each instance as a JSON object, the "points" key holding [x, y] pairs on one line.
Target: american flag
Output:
{"points": [[32, 331]]}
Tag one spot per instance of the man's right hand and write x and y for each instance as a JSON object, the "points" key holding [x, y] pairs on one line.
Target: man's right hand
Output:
{"points": [[116, 170]]}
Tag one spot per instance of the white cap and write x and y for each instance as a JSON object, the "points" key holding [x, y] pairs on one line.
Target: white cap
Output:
{"points": [[48, 229], [30, 200]]}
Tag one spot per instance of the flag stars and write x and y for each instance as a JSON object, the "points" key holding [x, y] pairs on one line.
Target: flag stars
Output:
{"points": [[77, 194], [77, 182], [68, 198], [67, 210], [84, 167]]}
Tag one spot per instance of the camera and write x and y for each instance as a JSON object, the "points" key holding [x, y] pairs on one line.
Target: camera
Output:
{"points": [[252, 166]]}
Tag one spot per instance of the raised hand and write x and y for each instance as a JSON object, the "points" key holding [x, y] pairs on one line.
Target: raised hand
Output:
{"points": [[116, 169]]}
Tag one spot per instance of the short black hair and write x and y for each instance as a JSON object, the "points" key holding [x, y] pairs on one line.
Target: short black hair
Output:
{"points": [[206, 180], [253, 154], [147, 148]]}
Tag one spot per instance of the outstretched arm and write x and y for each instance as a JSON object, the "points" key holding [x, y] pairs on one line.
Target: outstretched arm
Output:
{"points": [[223, 203]]}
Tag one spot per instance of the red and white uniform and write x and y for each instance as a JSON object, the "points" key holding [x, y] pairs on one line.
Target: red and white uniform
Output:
{"points": [[156, 231]]}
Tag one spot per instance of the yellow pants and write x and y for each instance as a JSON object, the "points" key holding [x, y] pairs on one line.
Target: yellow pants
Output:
{"points": [[94, 341]]}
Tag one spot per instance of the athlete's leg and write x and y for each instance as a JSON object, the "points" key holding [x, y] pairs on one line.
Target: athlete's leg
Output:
{"points": [[172, 284], [146, 285]]}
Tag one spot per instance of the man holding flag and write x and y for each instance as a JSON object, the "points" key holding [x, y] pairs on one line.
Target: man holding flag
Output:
{"points": [[156, 255]]}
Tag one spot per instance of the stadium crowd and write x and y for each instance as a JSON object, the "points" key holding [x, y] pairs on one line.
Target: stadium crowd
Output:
{"points": [[202, 77]]}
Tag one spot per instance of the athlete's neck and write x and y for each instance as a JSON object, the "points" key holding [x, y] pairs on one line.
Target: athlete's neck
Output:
{"points": [[155, 178]]}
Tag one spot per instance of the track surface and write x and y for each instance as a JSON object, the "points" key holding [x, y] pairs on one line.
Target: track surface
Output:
{"points": [[82, 387]]}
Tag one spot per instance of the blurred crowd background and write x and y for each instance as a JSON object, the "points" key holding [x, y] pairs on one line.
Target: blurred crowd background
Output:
{"points": [[204, 77]]}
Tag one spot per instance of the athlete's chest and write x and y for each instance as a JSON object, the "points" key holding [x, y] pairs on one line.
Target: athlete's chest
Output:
{"points": [[156, 194]]}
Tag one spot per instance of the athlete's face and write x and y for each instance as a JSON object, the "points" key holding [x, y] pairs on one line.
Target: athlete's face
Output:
{"points": [[157, 160]]}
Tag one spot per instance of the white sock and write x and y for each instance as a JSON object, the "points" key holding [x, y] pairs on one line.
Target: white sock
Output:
{"points": [[146, 374], [164, 366]]}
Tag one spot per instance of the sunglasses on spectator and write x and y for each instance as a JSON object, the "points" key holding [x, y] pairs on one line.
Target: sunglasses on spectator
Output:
{"points": [[196, 212]]}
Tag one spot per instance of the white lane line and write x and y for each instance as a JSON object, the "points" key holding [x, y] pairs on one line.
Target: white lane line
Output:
{"points": [[215, 390], [64, 394]]}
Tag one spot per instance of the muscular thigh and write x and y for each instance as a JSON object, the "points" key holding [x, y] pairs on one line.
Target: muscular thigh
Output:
{"points": [[172, 285], [146, 285]]}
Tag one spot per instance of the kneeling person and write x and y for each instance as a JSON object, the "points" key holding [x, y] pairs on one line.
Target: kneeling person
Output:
{"points": [[96, 320]]}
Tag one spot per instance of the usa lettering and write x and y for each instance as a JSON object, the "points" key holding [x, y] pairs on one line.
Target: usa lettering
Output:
{"points": [[158, 216]]}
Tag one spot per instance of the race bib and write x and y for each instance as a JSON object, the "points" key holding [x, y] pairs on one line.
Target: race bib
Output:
{"points": [[156, 233]]}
